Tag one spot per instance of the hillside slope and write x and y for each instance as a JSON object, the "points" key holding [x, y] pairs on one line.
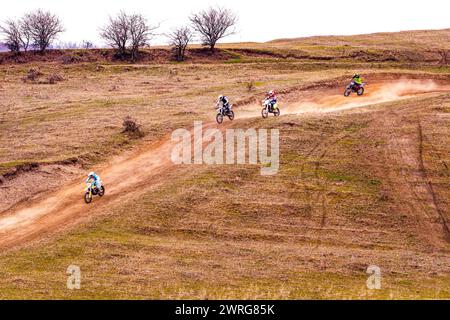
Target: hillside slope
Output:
{"points": [[412, 40], [337, 206], [363, 180]]}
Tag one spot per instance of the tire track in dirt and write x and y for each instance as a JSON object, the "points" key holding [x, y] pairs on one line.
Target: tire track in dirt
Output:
{"points": [[408, 153], [428, 182], [322, 156], [447, 170], [321, 149]]}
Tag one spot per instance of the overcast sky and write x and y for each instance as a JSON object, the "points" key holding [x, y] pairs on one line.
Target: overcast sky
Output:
{"points": [[259, 20]]}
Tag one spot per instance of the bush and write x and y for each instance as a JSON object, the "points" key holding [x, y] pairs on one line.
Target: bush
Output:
{"points": [[70, 58], [131, 127], [32, 75], [250, 85], [54, 78], [35, 76]]}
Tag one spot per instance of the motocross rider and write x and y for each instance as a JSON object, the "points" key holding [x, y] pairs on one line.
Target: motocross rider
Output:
{"points": [[97, 182], [272, 97], [225, 103], [357, 80]]}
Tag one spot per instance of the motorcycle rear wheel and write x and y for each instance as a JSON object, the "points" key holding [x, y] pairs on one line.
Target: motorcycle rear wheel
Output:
{"points": [[231, 115], [276, 112], [360, 91], [102, 192]]}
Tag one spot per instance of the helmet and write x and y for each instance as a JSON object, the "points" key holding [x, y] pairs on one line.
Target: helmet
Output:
{"points": [[220, 97], [356, 75], [91, 174]]}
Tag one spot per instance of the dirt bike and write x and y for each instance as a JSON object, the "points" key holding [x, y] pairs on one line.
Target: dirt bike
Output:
{"points": [[92, 190], [269, 108], [223, 112], [354, 87]]}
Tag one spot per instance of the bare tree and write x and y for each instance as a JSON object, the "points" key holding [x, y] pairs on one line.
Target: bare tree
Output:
{"points": [[25, 35], [140, 33], [85, 44], [13, 36], [42, 27], [116, 32], [213, 24], [16, 38], [127, 31], [444, 57], [179, 40]]}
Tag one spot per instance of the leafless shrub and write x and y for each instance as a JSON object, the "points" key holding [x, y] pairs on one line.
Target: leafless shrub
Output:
{"points": [[383, 195], [444, 57], [16, 38], [140, 33], [179, 40], [67, 59], [54, 78], [87, 44], [116, 32], [172, 73], [113, 88], [127, 31], [250, 85], [43, 27], [213, 24], [131, 127], [70, 58], [33, 75]]}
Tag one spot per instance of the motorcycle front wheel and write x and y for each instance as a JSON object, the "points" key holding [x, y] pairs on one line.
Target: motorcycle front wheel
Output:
{"points": [[264, 113], [219, 118], [88, 197], [347, 92]]}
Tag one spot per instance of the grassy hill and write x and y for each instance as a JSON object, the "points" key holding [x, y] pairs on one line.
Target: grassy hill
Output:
{"points": [[417, 39], [357, 187]]}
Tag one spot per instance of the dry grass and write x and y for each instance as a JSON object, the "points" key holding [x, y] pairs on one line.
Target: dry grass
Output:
{"points": [[420, 47], [309, 232], [351, 192], [41, 123], [411, 40]]}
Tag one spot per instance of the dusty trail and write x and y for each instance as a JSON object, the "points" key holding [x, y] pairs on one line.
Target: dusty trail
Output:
{"points": [[48, 212], [326, 101]]}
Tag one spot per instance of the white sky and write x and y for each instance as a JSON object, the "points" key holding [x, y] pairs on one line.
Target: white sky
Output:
{"points": [[259, 20]]}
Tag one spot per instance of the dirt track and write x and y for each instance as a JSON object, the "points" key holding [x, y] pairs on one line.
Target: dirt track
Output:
{"points": [[51, 211]]}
